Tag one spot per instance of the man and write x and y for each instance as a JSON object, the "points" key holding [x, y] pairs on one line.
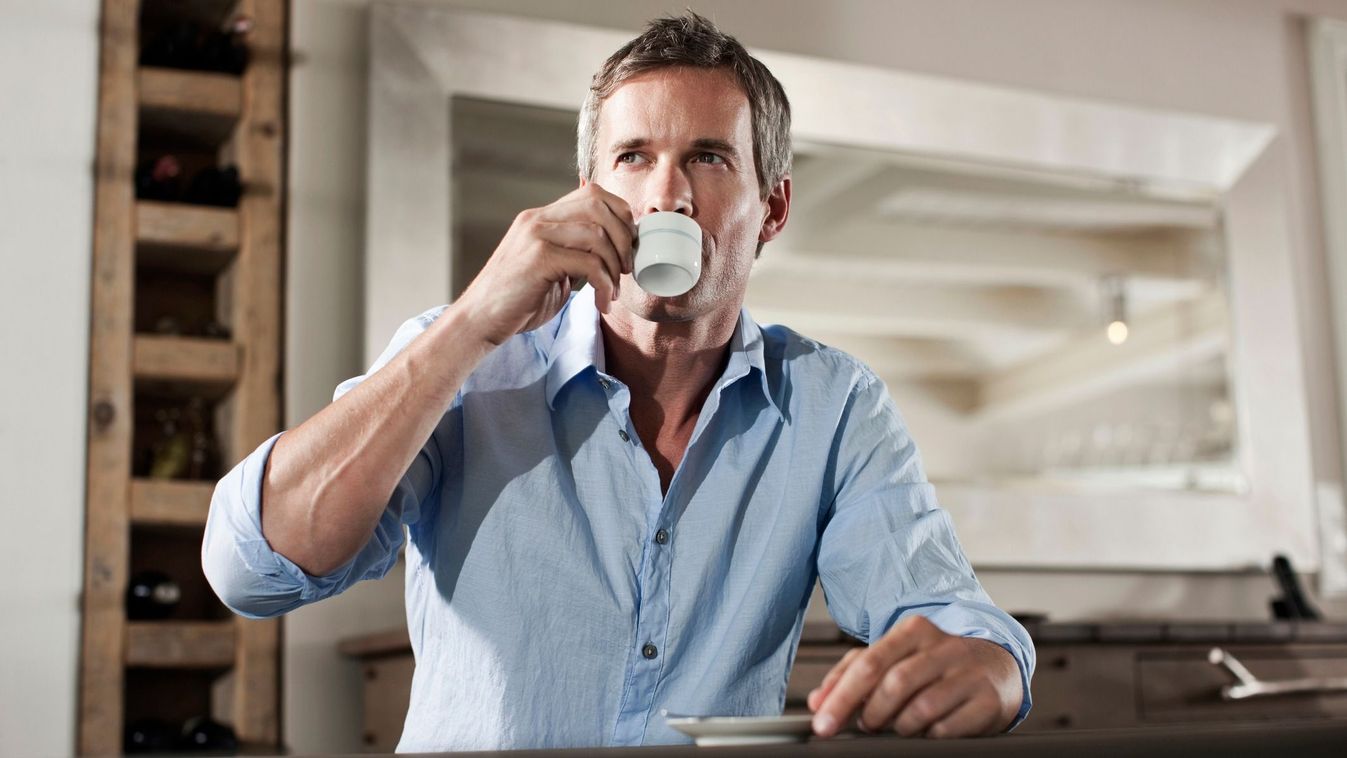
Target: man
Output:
{"points": [[616, 503]]}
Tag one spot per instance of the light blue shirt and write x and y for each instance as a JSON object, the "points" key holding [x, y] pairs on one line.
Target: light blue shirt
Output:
{"points": [[556, 598]]}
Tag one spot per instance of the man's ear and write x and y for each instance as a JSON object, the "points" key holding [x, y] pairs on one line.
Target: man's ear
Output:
{"points": [[582, 179], [778, 209]]}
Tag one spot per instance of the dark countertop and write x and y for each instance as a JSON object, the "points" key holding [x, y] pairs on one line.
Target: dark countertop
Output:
{"points": [[1198, 632], [1299, 739], [396, 642]]}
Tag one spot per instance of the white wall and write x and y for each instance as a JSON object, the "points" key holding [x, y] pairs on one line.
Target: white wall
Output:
{"points": [[46, 207]]}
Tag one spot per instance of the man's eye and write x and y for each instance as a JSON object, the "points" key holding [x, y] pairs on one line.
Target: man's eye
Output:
{"points": [[627, 158], [711, 158]]}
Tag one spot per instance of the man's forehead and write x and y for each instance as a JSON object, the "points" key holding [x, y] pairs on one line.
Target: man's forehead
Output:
{"points": [[700, 105]]}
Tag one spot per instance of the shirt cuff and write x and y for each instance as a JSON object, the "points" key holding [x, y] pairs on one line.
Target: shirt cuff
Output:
{"points": [[250, 577]]}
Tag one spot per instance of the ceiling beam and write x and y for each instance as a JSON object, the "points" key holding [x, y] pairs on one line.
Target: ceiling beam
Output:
{"points": [[900, 252], [1160, 343], [880, 309]]}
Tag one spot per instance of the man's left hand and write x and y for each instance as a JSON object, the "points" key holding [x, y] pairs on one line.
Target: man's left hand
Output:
{"points": [[919, 681]]}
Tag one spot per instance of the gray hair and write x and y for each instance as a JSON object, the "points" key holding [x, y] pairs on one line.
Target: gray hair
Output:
{"points": [[693, 40]]}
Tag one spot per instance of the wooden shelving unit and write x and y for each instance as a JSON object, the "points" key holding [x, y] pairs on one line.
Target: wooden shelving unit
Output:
{"points": [[154, 258]]}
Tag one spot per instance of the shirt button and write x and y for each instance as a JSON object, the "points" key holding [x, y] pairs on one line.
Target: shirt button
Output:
{"points": [[623, 434], [649, 651], [661, 537], [605, 383]]}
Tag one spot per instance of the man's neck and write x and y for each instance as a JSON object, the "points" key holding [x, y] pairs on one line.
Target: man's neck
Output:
{"points": [[672, 364]]}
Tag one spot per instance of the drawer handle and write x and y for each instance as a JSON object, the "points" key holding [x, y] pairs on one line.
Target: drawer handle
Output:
{"points": [[1251, 686]]}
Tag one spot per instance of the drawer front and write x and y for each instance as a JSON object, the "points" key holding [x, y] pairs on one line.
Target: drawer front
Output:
{"points": [[1182, 685], [1086, 686], [388, 690]]}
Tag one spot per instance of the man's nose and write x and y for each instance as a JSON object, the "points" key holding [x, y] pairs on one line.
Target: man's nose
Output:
{"points": [[669, 190]]}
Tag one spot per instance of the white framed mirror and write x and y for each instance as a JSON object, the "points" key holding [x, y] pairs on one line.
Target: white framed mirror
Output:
{"points": [[971, 243]]}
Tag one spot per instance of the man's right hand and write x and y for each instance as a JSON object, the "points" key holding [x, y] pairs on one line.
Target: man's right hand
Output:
{"points": [[587, 234]]}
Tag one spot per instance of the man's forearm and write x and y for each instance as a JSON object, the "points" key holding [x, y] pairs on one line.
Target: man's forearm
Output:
{"points": [[328, 480]]}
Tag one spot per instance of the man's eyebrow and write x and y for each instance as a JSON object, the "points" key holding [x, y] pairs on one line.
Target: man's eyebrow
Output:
{"points": [[629, 144], [707, 143], [701, 143]]}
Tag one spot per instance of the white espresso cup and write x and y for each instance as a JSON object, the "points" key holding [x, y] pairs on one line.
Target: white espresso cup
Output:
{"points": [[668, 254]]}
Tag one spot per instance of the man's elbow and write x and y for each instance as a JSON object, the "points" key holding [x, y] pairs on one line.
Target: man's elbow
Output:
{"points": [[244, 591]]}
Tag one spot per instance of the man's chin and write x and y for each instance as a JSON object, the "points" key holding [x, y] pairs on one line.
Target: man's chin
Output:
{"points": [[661, 309]]}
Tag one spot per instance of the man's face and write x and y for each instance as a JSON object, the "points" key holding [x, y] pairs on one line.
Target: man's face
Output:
{"points": [[681, 139]]}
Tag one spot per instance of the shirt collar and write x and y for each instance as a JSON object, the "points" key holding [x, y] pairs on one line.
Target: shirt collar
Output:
{"points": [[577, 346]]}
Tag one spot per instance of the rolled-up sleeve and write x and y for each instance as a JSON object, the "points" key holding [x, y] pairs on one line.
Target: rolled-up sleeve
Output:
{"points": [[254, 580], [888, 550]]}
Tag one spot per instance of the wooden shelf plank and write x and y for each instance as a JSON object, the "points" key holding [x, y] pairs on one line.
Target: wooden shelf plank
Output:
{"points": [[190, 227], [180, 644], [156, 502], [194, 106], [191, 360]]}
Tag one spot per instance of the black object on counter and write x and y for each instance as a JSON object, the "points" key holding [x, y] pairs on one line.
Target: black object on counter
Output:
{"points": [[152, 595], [1292, 603]]}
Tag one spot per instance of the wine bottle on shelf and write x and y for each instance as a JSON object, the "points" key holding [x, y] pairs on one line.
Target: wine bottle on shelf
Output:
{"points": [[215, 186], [148, 736], [204, 460], [172, 451], [226, 51], [152, 596], [168, 326], [215, 330], [176, 46], [188, 46], [159, 179], [203, 733]]}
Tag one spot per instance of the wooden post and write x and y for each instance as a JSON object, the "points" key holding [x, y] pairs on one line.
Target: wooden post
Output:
{"points": [[256, 310], [110, 387]]}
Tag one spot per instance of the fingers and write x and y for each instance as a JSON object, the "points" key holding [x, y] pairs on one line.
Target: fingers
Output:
{"points": [[578, 264], [594, 204], [848, 692], [863, 674], [930, 705], [899, 685], [588, 237], [819, 693], [970, 717]]}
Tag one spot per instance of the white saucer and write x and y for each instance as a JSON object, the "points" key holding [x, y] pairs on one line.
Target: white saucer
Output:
{"points": [[709, 731]]}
